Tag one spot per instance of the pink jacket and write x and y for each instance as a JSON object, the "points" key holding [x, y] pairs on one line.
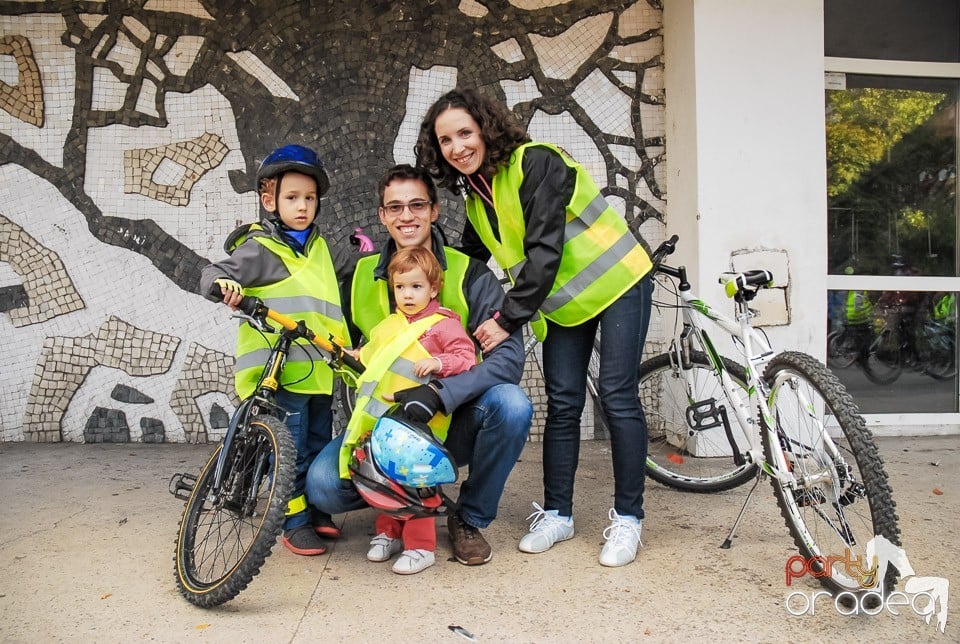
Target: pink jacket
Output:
{"points": [[446, 340]]}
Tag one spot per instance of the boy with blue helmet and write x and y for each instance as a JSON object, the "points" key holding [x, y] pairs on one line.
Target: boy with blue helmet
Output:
{"points": [[285, 261]]}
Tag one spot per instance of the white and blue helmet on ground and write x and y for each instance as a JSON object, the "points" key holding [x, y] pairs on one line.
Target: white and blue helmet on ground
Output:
{"points": [[399, 468]]}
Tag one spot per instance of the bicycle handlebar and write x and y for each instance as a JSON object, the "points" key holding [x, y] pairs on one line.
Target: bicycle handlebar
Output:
{"points": [[255, 308], [664, 249]]}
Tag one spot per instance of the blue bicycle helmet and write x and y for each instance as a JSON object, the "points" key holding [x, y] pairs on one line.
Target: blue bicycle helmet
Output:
{"points": [[296, 158], [399, 468]]}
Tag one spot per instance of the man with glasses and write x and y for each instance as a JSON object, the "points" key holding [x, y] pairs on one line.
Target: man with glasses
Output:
{"points": [[490, 413]]}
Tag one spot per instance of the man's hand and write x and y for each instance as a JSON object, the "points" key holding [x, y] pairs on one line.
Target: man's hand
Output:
{"points": [[419, 403]]}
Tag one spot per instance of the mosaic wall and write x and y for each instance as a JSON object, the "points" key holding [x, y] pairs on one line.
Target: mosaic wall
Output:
{"points": [[130, 133]]}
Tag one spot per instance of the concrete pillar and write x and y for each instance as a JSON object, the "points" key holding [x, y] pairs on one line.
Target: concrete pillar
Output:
{"points": [[746, 153]]}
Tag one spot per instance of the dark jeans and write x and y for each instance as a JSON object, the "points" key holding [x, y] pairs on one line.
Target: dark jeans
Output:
{"points": [[566, 354], [487, 433], [310, 422]]}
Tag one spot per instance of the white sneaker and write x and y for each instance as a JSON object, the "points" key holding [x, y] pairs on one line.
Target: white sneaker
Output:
{"points": [[413, 561], [623, 537], [547, 528], [383, 547]]}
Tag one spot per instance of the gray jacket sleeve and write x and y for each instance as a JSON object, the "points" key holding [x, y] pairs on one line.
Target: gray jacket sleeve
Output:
{"points": [[503, 365], [250, 265]]}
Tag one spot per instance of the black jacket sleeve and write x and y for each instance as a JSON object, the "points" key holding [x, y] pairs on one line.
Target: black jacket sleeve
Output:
{"points": [[547, 188]]}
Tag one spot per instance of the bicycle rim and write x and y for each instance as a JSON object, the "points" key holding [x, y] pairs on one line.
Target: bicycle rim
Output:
{"points": [[832, 506], [226, 535], [679, 456]]}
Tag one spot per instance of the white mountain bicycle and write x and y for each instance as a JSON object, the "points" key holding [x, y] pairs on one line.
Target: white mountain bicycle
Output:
{"points": [[714, 424]]}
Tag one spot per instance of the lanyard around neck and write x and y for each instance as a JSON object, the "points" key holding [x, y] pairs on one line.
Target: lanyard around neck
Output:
{"points": [[480, 192]]}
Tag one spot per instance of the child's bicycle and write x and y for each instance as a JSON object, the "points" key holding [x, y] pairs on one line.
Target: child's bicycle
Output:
{"points": [[235, 507], [714, 424]]}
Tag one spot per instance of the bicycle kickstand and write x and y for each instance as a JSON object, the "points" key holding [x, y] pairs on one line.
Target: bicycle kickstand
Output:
{"points": [[729, 540]]}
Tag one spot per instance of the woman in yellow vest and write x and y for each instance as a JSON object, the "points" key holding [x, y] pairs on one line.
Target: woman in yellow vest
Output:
{"points": [[575, 267], [285, 261]]}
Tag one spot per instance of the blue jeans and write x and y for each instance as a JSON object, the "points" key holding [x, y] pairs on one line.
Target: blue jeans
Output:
{"points": [[487, 433], [566, 354], [310, 422]]}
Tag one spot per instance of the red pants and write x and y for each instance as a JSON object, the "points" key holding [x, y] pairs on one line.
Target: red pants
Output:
{"points": [[417, 534]]}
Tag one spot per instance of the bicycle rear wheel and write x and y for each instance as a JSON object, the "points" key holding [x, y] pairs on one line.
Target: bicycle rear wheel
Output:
{"points": [[226, 534], [834, 503], [681, 456]]}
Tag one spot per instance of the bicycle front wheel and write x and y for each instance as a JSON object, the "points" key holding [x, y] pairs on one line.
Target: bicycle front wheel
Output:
{"points": [[687, 455], [836, 496], [226, 534]]}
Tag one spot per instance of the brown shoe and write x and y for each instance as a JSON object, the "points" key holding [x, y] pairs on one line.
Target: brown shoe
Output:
{"points": [[469, 546]]}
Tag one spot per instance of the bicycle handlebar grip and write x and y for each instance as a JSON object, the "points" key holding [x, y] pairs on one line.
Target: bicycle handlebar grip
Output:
{"points": [[350, 361], [664, 249]]}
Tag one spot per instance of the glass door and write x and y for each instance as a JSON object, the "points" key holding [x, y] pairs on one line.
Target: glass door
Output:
{"points": [[892, 257]]}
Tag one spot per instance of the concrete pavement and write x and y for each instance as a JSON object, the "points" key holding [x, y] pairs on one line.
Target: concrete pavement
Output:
{"points": [[87, 539]]}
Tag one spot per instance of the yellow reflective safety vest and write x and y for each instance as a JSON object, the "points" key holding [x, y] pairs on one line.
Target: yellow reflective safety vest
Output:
{"points": [[859, 309], [370, 298], [310, 294], [388, 358], [601, 258]]}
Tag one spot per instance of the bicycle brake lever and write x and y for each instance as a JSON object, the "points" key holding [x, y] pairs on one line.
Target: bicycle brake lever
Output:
{"points": [[258, 323]]}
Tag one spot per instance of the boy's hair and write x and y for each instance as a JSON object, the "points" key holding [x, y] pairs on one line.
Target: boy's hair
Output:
{"points": [[267, 186], [405, 171], [407, 259]]}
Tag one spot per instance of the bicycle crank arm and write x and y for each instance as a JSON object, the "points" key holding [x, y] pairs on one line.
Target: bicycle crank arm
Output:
{"points": [[706, 414]]}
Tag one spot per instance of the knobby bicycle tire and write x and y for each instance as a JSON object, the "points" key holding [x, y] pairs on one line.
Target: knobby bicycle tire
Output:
{"points": [[346, 399], [224, 537], [679, 456], [829, 507]]}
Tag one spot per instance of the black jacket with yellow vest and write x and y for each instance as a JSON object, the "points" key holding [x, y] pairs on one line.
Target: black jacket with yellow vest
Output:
{"points": [[568, 252]]}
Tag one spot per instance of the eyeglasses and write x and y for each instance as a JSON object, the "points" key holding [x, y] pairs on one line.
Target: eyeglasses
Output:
{"points": [[416, 207]]}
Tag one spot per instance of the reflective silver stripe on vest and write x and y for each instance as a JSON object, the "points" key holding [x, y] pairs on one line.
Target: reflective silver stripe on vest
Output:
{"points": [[514, 270], [305, 303], [404, 367], [590, 274], [401, 367], [258, 357], [585, 219], [367, 388], [574, 227], [376, 408]]}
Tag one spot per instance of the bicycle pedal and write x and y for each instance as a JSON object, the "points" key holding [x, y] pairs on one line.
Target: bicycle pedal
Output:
{"points": [[181, 485], [704, 415]]}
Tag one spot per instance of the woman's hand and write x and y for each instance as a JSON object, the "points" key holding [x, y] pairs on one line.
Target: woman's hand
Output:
{"points": [[490, 334]]}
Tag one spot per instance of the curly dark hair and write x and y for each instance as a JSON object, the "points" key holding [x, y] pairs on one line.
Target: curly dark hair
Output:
{"points": [[501, 131]]}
